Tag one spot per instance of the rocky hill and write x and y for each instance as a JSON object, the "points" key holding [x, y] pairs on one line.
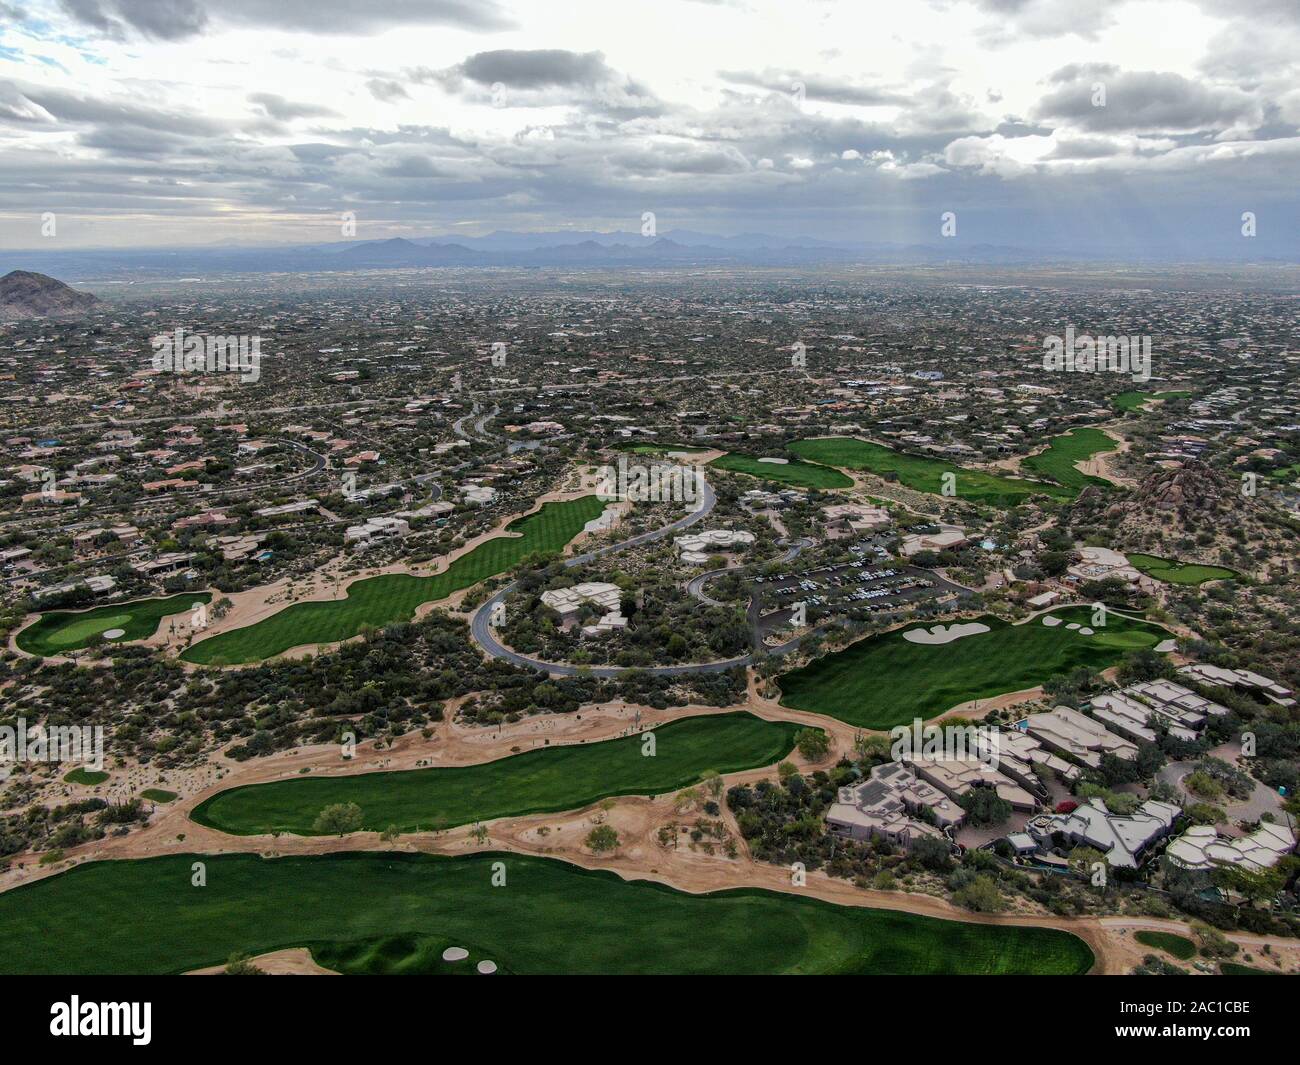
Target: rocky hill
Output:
{"points": [[24, 294]]}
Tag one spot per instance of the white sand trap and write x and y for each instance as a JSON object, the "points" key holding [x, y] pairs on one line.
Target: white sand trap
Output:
{"points": [[776, 462], [113, 634], [944, 633], [1165, 646], [1051, 620], [1074, 625], [487, 968], [455, 954], [1085, 631]]}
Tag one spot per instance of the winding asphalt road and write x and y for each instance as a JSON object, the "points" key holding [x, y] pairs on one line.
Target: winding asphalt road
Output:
{"points": [[483, 635]]}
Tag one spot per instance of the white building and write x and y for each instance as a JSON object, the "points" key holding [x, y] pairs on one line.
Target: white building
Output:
{"points": [[1122, 838], [696, 548], [380, 528], [567, 601], [1201, 847]]}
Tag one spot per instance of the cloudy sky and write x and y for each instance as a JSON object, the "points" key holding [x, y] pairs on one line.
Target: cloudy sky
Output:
{"points": [[1038, 122]]}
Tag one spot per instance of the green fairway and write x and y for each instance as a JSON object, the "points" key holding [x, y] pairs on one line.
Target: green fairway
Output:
{"points": [[1057, 462], [799, 474], [885, 680], [158, 795], [544, 780], [394, 597], [659, 449], [1178, 946], [68, 630], [1171, 571], [923, 474], [1131, 401], [1234, 968], [86, 777], [384, 913]]}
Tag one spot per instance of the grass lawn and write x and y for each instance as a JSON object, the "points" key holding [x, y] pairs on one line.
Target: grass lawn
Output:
{"points": [[547, 779], [1234, 968], [923, 474], [394, 597], [1078, 445], [68, 630], [799, 474], [1131, 401], [660, 449], [1171, 571], [88, 777], [376, 913], [885, 680], [158, 795], [1180, 947]]}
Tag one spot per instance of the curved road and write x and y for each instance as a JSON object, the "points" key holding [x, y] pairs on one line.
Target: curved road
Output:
{"points": [[483, 635]]}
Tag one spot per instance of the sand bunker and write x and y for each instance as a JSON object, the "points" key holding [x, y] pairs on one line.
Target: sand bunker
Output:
{"points": [[1073, 625], [487, 968], [455, 954], [1051, 620], [1085, 631], [1165, 646], [777, 462], [113, 634], [944, 633]]}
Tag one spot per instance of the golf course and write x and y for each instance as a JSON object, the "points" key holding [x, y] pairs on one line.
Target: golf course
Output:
{"points": [[1131, 401], [886, 680], [538, 781], [921, 473], [394, 597], [396, 913], [798, 474], [1057, 462], [1171, 571], [60, 631]]}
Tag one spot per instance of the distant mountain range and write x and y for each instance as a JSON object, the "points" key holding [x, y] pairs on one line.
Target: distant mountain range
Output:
{"points": [[24, 294], [566, 248]]}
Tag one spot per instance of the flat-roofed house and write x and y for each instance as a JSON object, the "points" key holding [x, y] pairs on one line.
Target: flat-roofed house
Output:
{"points": [[886, 805], [1123, 838], [1201, 847], [1070, 732]]}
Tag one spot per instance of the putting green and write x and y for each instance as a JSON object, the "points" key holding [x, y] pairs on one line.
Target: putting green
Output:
{"points": [[1178, 946], [69, 630], [396, 913], [1131, 401], [1171, 571], [1078, 445], [799, 474], [394, 597], [924, 474], [539, 781], [885, 680]]}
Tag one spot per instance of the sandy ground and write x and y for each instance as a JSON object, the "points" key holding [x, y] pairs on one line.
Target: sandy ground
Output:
{"points": [[296, 961], [637, 819]]}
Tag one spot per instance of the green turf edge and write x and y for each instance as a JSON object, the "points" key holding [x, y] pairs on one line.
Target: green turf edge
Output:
{"points": [[782, 732], [131, 942]]}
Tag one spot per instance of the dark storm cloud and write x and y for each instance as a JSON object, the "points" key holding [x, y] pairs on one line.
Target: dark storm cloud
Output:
{"points": [[1143, 101], [30, 103], [816, 87], [541, 68], [166, 20], [176, 19], [386, 90], [282, 110], [544, 77]]}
